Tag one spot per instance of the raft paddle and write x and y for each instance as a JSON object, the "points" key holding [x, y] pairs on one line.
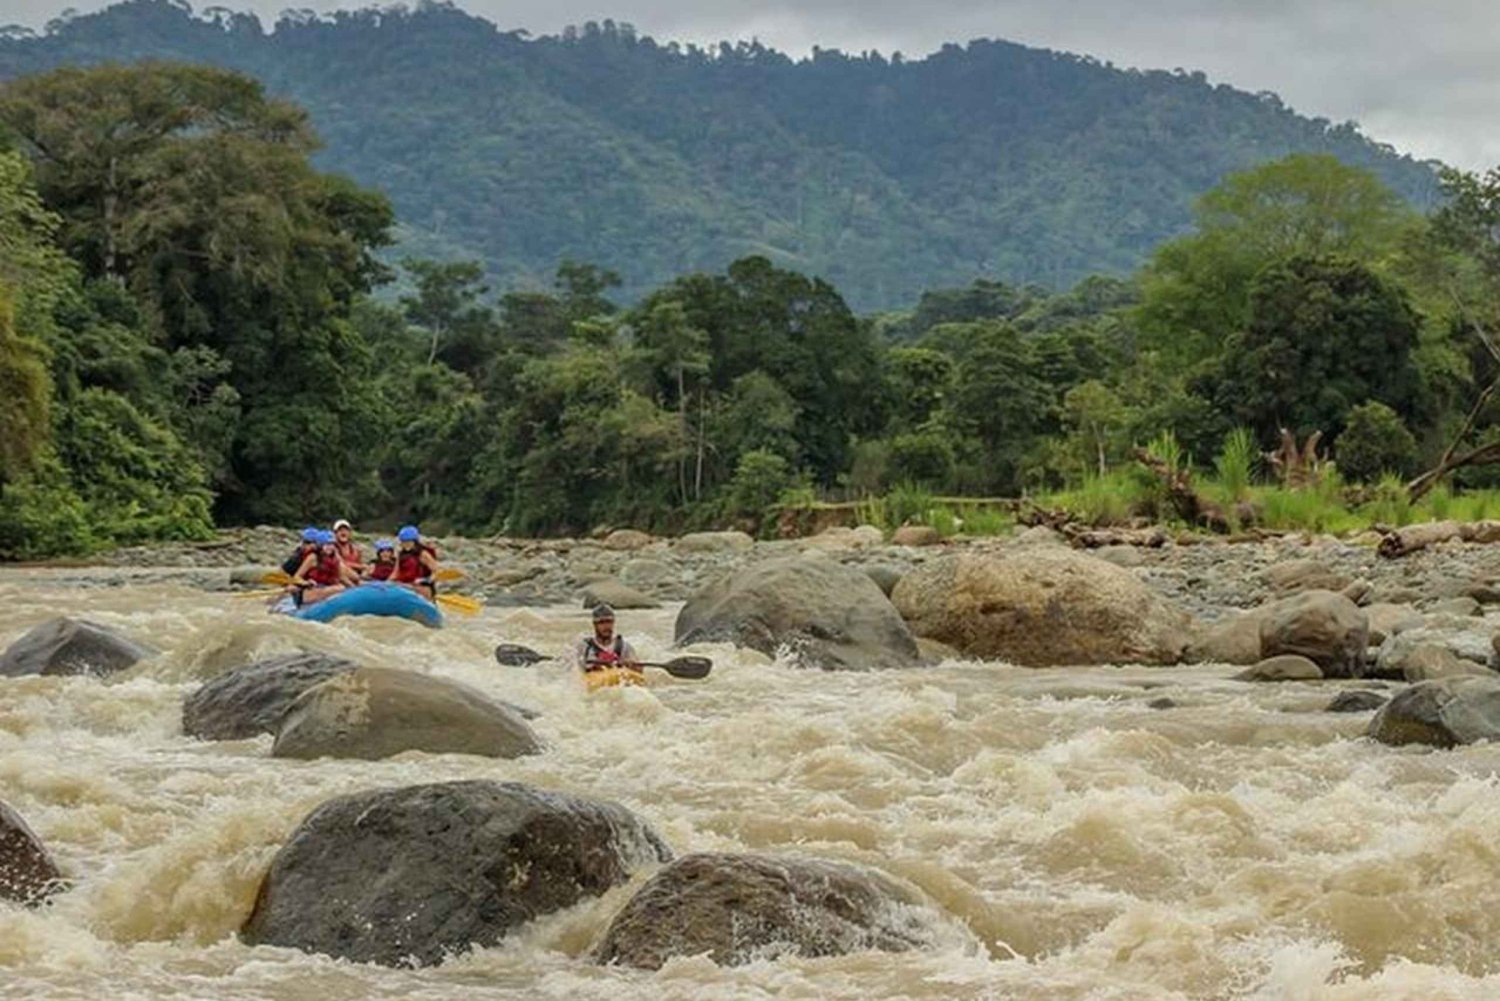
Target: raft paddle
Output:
{"points": [[461, 603], [282, 578], [692, 668]]}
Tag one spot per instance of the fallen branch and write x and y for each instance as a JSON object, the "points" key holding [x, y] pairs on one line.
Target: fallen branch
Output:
{"points": [[1185, 502]]}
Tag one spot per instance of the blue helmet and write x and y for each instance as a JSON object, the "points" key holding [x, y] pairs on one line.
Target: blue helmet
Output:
{"points": [[310, 533], [409, 533], [325, 538], [384, 544]]}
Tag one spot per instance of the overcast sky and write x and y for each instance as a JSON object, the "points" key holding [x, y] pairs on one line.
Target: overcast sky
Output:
{"points": [[1423, 77]]}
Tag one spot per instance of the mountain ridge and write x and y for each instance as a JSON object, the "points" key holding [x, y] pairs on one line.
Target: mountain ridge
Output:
{"points": [[885, 176]]}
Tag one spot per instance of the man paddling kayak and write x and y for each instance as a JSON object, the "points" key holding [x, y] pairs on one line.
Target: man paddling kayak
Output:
{"points": [[605, 648]]}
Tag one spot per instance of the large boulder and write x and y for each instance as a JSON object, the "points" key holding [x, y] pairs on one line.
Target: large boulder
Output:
{"points": [[1041, 606], [1442, 713], [251, 700], [830, 615], [608, 591], [739, 908], [28, 875], [916, 535], [715, 542], [1326, 628], [626, 540], [411, 875], [71, 646], [372, 713]]}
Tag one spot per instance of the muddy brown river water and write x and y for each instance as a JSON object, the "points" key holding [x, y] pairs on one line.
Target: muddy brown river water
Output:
{"points": [[1080, 843]]}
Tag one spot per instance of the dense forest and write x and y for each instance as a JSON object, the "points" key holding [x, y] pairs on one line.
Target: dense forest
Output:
{"points": [[885, 176], [188, 334]]}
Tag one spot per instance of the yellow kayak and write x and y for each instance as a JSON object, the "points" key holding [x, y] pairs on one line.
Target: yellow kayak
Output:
{"points": [[612, 677]]}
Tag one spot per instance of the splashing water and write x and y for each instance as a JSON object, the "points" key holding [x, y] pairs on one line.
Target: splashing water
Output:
{"points": [[1241, 844]]}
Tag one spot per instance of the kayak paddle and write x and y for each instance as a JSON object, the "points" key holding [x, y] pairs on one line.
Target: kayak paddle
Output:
{"points": [[513, 655], [461, 603]]}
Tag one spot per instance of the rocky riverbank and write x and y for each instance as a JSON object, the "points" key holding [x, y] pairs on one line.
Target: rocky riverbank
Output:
{"points": [[1207, 578]]}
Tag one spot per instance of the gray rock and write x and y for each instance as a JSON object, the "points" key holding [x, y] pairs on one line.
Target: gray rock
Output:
{"points": [[1162, 702], [252, 700], [372, 713], [1326, 628], [1039, 535], [1358, 591], [832, 616], [409, 876], [1128, 557], [71, 646], [1355, 702], [1286, 667], [1234, 640], [612, 592], [1430, 662], [714, 542], [885, 577], [739, 908], [1041, 606], [1464, 607], [648, 573], [1441, 713], [936, 651], [1293, 576], [626, 539], [1387, 620], [1397, 653], [915, 535], [28, 876]]}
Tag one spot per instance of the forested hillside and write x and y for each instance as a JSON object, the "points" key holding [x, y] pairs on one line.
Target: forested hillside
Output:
{"points": [[884, 176]]}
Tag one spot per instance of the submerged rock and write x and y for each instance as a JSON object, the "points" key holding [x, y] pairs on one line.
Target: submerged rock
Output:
{"points": [[1286, 667], [738, 908], [252, 700], [1442, 713], [28, 876], [1041, 606], [372, 713], [1326, 628], [830, 615], [66, 646], [1355, 702], [409, 876]]}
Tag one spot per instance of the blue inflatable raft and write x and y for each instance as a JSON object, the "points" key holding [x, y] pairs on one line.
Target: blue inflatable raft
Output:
{"points": [[373, 598]]}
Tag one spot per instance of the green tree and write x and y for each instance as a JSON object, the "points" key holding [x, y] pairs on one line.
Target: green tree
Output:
{"points": [[1374, 442], [447, 296], [1097, 421]]}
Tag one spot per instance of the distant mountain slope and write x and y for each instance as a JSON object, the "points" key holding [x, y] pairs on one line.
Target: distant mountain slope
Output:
{"points": [[884, 176]]}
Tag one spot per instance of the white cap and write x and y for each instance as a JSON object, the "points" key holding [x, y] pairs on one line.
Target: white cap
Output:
{"points": [[341, 523]]}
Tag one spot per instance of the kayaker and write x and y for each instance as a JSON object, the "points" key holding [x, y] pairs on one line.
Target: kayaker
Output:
{"points": [[416, 562], [305, 548], [385, 560], [322, 574], [604, 647], [349, 554]]}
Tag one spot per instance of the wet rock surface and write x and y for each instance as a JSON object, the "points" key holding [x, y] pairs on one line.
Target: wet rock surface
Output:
{"points": [[739, 908], [65, 646], [411, 876], [252, 700], [28, 876]]}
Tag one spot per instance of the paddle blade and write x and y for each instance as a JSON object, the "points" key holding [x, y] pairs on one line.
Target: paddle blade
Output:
{"points": [[276, 577], [512, 655], [461, 603], [686, 667], [448, 574]]}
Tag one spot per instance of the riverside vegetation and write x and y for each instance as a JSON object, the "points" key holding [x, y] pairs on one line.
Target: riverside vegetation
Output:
{"points": [[190, 334]]}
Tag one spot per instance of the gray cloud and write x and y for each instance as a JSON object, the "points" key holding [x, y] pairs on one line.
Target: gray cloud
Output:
{"points": [[1420, 77]]}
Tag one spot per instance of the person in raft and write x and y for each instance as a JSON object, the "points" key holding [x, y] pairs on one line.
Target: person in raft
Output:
{"points": [[605, 647], [322, 574], [305, 548], [349, 554], [385, 561], [416, 562]]}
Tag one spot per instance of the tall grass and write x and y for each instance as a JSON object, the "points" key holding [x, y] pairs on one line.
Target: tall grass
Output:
{"points": [[1236, 464]]}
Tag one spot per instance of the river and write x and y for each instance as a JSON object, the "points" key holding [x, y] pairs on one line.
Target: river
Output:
{"points": [[1240, 843]]}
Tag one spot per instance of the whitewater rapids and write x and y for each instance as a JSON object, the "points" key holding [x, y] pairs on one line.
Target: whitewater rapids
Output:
{"points": [[1240, 843]]}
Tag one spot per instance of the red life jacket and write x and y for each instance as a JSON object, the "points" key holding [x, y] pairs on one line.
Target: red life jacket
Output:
{"points": [[595, 655], [381, 571], [325, 572], [409, 566], [349, 553]]}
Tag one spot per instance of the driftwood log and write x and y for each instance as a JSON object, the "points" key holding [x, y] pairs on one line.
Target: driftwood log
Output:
{"points": [[1400, 542]]}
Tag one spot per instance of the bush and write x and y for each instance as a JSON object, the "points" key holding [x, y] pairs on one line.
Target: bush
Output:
{"points": [[759, 480], [44, 516], [1374, 442], [1236, 464], [925, 457]]}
